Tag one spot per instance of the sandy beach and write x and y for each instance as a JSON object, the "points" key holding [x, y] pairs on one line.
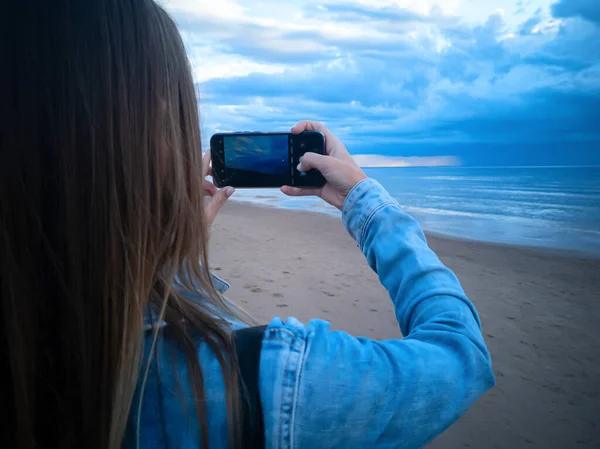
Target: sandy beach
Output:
{"points": [[540, 312]]}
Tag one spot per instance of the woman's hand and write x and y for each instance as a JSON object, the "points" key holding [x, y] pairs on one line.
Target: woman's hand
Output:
{"points": [[338, 168], [218, 197]]}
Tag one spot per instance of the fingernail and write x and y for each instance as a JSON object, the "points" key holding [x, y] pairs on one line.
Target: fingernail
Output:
{"points": [[299, 166], [229, 191]]}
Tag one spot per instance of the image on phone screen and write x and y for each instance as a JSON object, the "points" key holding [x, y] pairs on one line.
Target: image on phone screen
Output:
{"points": [[257, 155]]}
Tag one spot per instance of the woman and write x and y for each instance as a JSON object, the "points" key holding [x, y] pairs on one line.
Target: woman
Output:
{"points": [[113, 332]]}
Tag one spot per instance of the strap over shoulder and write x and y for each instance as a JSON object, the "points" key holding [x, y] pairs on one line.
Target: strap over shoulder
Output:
{"points": [[248, 343]]}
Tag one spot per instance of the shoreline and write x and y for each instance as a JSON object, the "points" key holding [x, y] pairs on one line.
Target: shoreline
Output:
{"points": [[556, 251], [539, 311]]}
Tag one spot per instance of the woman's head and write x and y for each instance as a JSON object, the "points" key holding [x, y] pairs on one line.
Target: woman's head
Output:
{"points": [[101, 208]]}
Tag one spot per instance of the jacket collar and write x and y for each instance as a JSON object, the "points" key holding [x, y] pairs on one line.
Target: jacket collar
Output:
{"points": [[220, 285]]}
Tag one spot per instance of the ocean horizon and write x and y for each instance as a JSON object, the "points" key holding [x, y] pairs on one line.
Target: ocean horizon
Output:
{"points": [[555, 207]]}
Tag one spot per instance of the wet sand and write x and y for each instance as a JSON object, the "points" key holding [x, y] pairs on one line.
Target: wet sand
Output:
{"points": [[540, 312]]}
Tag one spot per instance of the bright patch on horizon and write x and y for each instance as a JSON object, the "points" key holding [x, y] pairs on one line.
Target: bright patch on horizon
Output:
{"points": [[379, 160]]}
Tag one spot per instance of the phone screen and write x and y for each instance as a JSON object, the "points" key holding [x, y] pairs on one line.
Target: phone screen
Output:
{"points": [[255, 159], [260, 155]]}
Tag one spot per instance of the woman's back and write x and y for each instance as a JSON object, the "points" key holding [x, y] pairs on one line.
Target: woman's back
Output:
{"points": [[323, 388]]}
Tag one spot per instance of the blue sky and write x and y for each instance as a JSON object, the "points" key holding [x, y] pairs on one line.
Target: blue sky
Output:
{"points": [[472, 82]]}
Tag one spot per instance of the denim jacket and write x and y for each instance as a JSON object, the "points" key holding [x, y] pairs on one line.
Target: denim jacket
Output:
{"points": [[324, 388]]}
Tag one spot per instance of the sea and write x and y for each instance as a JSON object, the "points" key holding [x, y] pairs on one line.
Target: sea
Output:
{"points": [[551, 207]]}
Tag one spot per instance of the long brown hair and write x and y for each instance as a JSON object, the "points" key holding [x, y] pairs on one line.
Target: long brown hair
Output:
{"points": [[101, 212]]}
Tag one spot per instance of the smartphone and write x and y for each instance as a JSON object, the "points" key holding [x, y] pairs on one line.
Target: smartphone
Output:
{"points": [[256, 159]]}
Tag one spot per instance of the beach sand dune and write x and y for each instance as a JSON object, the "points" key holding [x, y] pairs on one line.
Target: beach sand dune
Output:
{"points": [[540, 312]]}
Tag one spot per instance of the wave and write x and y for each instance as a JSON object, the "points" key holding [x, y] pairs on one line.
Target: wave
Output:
{"points": [[532, 192], [456, 213], [455, 178], [506, 203], [527, 221]]}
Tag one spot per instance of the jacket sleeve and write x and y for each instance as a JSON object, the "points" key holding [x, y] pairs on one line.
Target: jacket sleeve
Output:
{"points": [[323, 388]]}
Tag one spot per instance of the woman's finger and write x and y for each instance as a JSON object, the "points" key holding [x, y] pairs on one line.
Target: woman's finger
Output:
{"points": [[301, 191], [206, 164], [331, 142], [216, 203], [324, 164], [209, 188], [308, 125]]}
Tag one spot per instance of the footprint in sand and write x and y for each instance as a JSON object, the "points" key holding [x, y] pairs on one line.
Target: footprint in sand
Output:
{"points": [[328, 293], [282, 305], [253, 288], [372, 310], [277, 295]]}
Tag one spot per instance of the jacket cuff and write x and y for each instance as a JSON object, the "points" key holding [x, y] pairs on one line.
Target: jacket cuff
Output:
{"points": [[365, 198]]}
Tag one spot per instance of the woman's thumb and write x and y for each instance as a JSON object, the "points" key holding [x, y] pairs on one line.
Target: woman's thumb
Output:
{"points": [[315, 161], [217, 201]]}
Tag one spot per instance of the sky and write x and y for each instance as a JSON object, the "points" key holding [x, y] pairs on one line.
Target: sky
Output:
{"points": [[405, 82]]}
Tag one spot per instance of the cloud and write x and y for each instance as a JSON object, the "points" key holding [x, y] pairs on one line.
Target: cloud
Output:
{"points": [[379, 160], [264, 43], [365, 80], [360, 12], [543, 115], [401, 82], [585, 9], [530, 24], [566, 63]]}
